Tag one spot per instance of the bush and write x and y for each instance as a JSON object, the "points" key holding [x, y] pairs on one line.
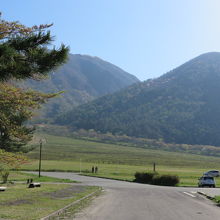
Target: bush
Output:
{"points": [[165, 180], [155, 179], [141, 177], [4, 175]]}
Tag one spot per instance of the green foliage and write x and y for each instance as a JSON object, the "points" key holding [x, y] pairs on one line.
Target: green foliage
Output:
{"points": [[4, 175], [181, 106], [8, 161], [23, 54], [156, 179], [16, 107], [165, 180], [142, 177]]}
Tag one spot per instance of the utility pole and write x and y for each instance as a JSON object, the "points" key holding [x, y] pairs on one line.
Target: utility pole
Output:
{"points": [[154, 167], [40, 157], [80, 166]]}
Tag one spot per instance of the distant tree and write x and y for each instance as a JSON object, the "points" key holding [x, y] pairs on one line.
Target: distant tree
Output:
{"points": [[10, 160], [16, 107], [24, 53]]}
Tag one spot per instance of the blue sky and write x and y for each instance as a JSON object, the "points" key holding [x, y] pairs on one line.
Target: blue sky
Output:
{"points": [[144, 37]]}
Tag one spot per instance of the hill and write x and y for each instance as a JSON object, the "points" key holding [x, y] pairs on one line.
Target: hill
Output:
{"points": [[83, 78], [181, 106], [117, 161]]}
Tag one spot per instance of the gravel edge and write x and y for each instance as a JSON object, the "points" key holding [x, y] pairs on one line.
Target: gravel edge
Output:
{"points": [[60, 211]]}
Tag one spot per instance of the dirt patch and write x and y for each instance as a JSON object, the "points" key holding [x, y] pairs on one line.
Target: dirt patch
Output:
{"points": [[16, 202], [66, 193], [60, 194]]}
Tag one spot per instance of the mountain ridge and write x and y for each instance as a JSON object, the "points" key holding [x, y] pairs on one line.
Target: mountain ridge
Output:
{"points": [[83, 78], [181, 106]]}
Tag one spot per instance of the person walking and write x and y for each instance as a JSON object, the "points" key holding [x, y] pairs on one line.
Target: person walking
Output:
{"points": [[96, 169]]}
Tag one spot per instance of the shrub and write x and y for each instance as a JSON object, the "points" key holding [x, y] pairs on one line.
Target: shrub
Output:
{"points": [[4, 175], [156, 179], [165, 180], [141, 177]]}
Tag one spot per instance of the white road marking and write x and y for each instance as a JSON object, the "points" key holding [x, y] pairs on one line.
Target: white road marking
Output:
{"points": [[189, 194]]}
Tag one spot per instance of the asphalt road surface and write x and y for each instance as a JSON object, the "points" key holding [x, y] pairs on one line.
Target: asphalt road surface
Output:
{"points": [[132, 201]]}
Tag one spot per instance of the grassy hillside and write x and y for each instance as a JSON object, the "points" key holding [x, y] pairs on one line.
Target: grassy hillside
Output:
{"points": [[181, 106], [120, 162]]}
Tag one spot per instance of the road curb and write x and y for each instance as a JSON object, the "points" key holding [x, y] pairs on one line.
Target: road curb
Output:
{"points": [[60, 211], [207, 196]]}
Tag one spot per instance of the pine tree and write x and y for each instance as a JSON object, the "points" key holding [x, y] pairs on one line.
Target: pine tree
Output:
{"points": [[24, 54]]}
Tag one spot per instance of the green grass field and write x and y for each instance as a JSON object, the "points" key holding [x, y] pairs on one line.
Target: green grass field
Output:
{"points": [[20, 202], [16, 176], [118, 162]]}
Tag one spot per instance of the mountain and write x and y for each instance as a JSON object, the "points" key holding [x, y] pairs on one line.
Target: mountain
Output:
{"points": [[182, 106], [83, 78]]}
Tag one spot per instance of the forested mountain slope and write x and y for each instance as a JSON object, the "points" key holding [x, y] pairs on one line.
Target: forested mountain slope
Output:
{"points": [[82, 79], [182, 106]]}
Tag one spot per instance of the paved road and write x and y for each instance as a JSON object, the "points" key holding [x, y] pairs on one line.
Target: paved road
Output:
{"points": [[132, 201]]}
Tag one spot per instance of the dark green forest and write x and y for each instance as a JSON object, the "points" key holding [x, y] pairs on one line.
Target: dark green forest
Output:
{"points": [[83, 78], [181, 106]]}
